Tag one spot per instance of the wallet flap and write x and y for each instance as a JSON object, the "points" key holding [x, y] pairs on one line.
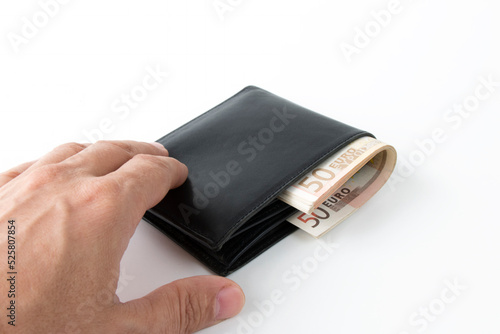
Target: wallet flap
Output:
{"points": [[241, 154]]}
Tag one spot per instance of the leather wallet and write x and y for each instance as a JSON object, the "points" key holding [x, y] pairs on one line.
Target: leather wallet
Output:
{"points": [[241, 154]]}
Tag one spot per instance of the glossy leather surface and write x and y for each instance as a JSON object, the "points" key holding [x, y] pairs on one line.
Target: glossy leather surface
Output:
{"points": [[241, 154]]}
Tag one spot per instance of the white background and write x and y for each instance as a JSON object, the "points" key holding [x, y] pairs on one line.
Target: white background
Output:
{"points": [[439, 222]]}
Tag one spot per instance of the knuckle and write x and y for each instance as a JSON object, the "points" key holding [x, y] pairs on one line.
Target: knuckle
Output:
{"points": [[71, 147], [44, 175], [113, 145], [147, 157], [158, 161], [156, 165], [100, 198], [175, 310], [103, 191], [191, 310], [153, 320], [10, 174]]}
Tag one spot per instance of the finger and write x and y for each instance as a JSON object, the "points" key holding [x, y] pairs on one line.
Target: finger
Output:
{"points": [[146, 179], [60, 153], [105, 156], [184, 306], [12, 173]]}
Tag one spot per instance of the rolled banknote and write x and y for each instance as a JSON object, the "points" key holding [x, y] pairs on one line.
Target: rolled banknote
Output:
{"points": [[341, 184]]}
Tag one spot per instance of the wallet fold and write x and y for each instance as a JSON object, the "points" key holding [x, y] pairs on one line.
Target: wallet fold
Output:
{"points": [[241, 154]]}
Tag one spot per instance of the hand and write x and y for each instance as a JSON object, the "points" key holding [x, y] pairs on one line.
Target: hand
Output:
{"points": [[75, 210]]}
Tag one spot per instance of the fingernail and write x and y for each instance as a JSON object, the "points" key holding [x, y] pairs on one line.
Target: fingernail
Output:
{"points": [[230, 301], [159, 145]]}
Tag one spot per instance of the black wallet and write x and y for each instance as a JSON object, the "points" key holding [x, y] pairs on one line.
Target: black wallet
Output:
{"points": [[241, 154]]}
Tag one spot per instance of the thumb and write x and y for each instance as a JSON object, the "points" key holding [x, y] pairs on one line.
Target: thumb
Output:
{"points": [[184, 306]]}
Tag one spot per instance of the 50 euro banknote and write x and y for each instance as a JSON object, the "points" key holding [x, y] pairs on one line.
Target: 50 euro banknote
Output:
{"points": [[341, 184]]}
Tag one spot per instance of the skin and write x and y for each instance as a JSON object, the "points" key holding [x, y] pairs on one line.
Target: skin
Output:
{"points": [[76, 209]]}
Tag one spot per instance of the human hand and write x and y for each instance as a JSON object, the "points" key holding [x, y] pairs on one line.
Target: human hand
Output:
{"points": [[75, 210]]}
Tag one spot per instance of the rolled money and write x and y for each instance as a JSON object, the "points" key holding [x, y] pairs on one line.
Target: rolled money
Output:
{"points": [[376, 164], [316, 186]]}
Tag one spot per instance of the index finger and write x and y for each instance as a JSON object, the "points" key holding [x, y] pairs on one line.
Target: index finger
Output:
{"points": [[107, 156], [145, 179]]}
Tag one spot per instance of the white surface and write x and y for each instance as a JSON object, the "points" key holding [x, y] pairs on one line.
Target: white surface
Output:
{"points": [[395, 253]]}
